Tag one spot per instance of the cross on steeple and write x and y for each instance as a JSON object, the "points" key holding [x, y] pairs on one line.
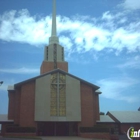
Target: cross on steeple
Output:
{"points": [[54, 39]]}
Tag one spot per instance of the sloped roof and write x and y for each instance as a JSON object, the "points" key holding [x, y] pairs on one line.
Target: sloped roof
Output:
{"points": [[4, 118], [54, 71], [125, 116], [105, 119]]}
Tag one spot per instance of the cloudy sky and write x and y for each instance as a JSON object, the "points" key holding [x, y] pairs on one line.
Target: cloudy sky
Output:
{"points": [[101, 40]]}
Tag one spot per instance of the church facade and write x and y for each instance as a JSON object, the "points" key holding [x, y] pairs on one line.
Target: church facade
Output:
{"points": [[55, 103]]}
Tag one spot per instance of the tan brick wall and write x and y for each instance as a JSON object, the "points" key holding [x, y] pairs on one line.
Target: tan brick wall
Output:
{"points": [[14, 105], [27, 105], [125, 127], [49, 66], [97, 106], [105, 136], [3, 129], [11, 105], [17, 106], [89, 107], [20, 134]]}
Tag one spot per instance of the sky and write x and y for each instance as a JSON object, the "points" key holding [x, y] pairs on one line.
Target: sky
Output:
{"points": [[101, 41]]}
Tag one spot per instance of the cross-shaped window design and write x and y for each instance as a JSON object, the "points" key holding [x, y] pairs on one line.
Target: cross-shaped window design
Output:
{"points": [[58, 95]]}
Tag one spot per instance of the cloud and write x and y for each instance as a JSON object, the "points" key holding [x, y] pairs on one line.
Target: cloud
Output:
{"points": [[133, 63], [131, 4], [116, 88], [79, 34], [21, 27], [22, 70]]}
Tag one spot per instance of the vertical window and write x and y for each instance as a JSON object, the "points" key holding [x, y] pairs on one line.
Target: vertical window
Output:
{"points": [[62, 54], [58, 95], [47, 53], [55, 56], [62, 95], [53, 106]]}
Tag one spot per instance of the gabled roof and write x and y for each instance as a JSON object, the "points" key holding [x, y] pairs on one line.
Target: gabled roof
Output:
{"points": [[54, 71], [125, 116], [105, 119], [4, 118]]}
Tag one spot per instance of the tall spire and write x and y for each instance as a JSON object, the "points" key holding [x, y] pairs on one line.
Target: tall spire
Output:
{"points": [[53, 53], [54, 39]]}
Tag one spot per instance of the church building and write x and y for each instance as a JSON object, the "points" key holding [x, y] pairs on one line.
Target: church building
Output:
{"points": [[55, 103]]}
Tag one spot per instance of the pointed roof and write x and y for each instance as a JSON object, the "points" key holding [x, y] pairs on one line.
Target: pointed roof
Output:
{"points": [[54, 39], [125, 116], [105, 119], [54, 71]]}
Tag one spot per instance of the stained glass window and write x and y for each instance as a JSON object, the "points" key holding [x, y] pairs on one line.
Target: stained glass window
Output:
{"points": [[58, 95]]}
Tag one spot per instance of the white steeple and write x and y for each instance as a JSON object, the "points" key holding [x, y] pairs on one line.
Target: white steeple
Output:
{"points": [[53, 52], [54, 39]]}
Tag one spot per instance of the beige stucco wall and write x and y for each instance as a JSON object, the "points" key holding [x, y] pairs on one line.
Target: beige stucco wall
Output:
{"points": [[73, 99], [42, 98]]}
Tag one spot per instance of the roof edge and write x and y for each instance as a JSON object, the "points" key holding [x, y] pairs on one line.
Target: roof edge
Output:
{"points": [[53, 71]]}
